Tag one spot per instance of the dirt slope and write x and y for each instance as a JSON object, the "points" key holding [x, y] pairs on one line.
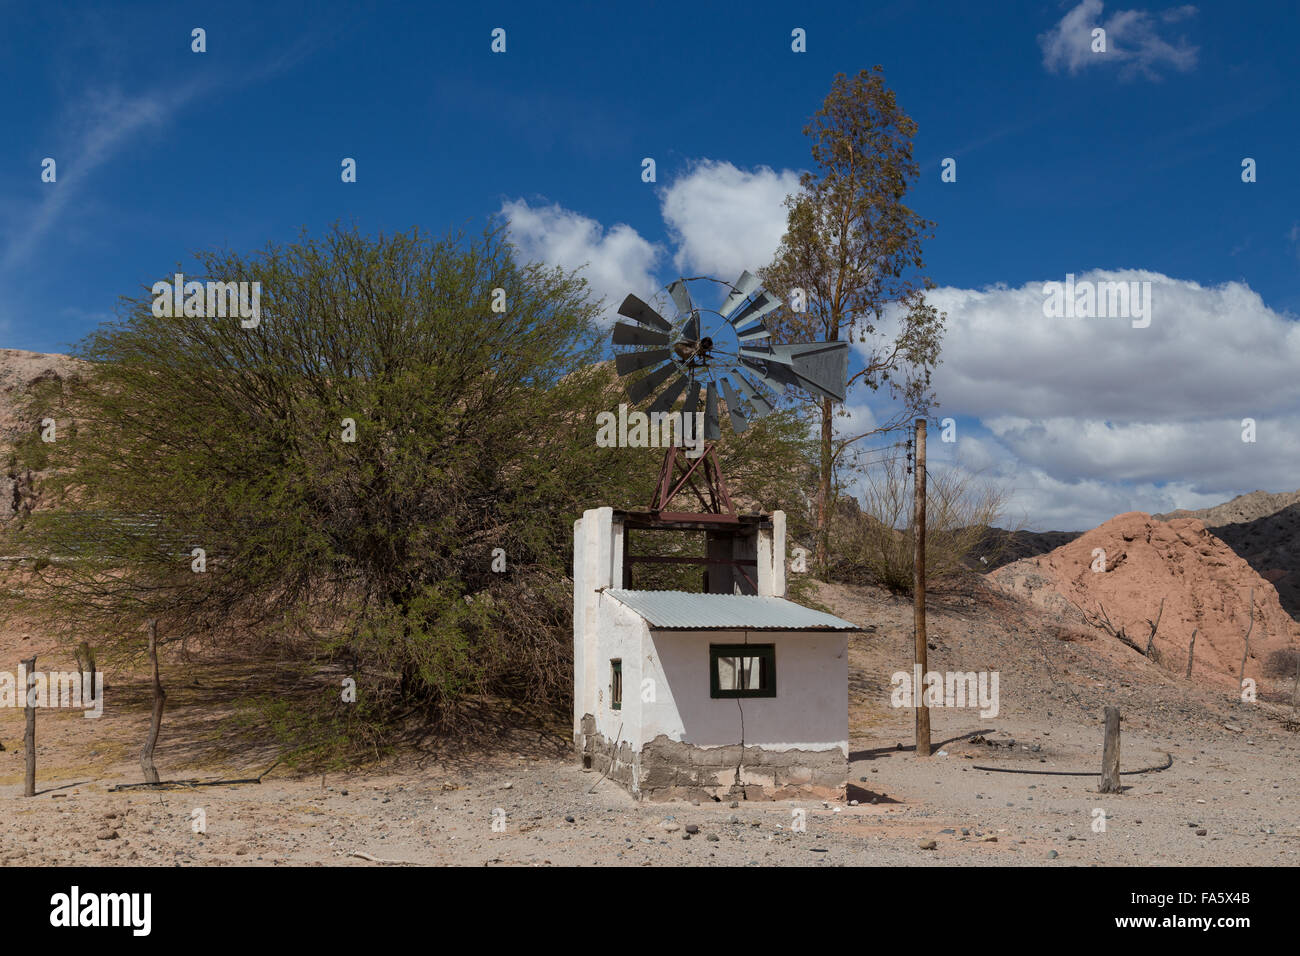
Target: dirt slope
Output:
{"points": [[1205, 587]]}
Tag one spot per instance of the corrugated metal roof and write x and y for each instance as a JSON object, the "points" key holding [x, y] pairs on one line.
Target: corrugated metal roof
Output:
{"points": [[683, 611]]}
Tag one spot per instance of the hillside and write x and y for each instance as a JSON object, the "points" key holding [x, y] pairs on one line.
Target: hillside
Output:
{"points": [[1264, 529], [1204, 584]]}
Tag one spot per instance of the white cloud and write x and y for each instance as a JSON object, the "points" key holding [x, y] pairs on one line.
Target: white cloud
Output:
{"points": [[1208, 351], [1090, 417], [614, 261], [1132, 41], [724, 220]]}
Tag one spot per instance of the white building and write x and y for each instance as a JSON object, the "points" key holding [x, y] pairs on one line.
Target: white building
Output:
{"points": [[735, 695]]}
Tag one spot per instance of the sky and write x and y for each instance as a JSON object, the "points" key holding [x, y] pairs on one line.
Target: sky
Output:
{"points": [[1123, 165]]}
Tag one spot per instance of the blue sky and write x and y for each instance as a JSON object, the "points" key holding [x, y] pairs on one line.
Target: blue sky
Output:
{"points": [[1067, 162]]}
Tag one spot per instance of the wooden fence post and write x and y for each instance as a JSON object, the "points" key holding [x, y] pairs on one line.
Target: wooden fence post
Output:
{"points": [[155, 721], [1110, 754], [1191, 650], [29, 728], [1245, 650]]}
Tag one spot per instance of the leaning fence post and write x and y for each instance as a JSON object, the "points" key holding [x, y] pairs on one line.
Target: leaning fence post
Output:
{"points": [[1110, 754]]}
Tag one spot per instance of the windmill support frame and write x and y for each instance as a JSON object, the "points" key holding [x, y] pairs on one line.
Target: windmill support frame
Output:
{"points": [[714, 498]]}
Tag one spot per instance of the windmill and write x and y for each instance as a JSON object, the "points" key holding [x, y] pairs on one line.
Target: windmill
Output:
{"points": [[726, 351]]}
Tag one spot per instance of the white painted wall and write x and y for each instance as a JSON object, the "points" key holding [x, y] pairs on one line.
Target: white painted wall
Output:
{"points": [[809, 712], [621, 634]]}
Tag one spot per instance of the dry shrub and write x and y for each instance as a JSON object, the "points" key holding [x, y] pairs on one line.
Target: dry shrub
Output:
{"points": [[872, 537]]}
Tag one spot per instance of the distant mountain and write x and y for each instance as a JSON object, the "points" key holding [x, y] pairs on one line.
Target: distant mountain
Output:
{"points": [[998, 547]]}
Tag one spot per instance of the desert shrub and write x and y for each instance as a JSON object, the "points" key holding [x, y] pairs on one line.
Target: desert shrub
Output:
{"points": [[873, 535], [1284, 662], [384, 471]]}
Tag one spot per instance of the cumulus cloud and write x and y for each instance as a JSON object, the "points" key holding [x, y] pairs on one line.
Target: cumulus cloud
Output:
{"points": [[721, 220], [1208, 350], [1133, 41], [614, 261], [724, 220], [1088, 417]]}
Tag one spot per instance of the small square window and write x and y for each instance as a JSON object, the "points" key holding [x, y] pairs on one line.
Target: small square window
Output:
{"points": [[616, 684], [742, 670]]}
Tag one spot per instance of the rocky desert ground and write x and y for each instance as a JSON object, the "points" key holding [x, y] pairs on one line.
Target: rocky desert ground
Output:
{"points": [[1228, 798], [1019, 788]]}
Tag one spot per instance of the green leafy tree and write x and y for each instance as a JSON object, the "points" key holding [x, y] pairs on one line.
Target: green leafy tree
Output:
{"points": [[854, 247], [383, 471]]}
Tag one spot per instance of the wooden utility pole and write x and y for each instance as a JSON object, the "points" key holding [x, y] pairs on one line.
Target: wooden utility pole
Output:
{"points": [[918, 594], [1110, 754], [29, 730]]}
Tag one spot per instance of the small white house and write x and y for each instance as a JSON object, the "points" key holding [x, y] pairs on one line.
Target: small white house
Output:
{"points": [[723, 695]]}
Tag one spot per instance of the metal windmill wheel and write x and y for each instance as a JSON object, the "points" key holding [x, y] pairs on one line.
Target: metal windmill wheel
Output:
{"points": [[724, 350]]}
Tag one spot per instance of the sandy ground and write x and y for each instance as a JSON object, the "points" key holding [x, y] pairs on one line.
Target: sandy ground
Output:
{"points": [[1229, 798]]}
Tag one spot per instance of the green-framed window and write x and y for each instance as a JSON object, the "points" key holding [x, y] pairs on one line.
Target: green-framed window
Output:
{"points": [[616, 684], [742, 670]]}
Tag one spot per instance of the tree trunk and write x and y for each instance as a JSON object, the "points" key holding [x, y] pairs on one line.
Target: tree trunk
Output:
{"points": [[824, 489], [29, 729], [155, 722], [86, 663]]}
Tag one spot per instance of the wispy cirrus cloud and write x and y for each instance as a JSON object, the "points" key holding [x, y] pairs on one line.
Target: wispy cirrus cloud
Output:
{"points": [[103, 122], [101, 127]]}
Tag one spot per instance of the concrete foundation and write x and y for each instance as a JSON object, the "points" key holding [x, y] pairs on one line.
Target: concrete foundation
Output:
{"points": [[665, 769]]}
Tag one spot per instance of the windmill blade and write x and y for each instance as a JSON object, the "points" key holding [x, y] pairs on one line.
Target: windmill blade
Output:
{"points": [[738, 422], [639, 312], [820, 367], [760, 404], [744, 286], [681, 296], [691, 331], [692, 399], [763, 373], [629, 362], [625, 334], [643, 387], [755, 334], [711, 430], [669, 396], [765, 303]]}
